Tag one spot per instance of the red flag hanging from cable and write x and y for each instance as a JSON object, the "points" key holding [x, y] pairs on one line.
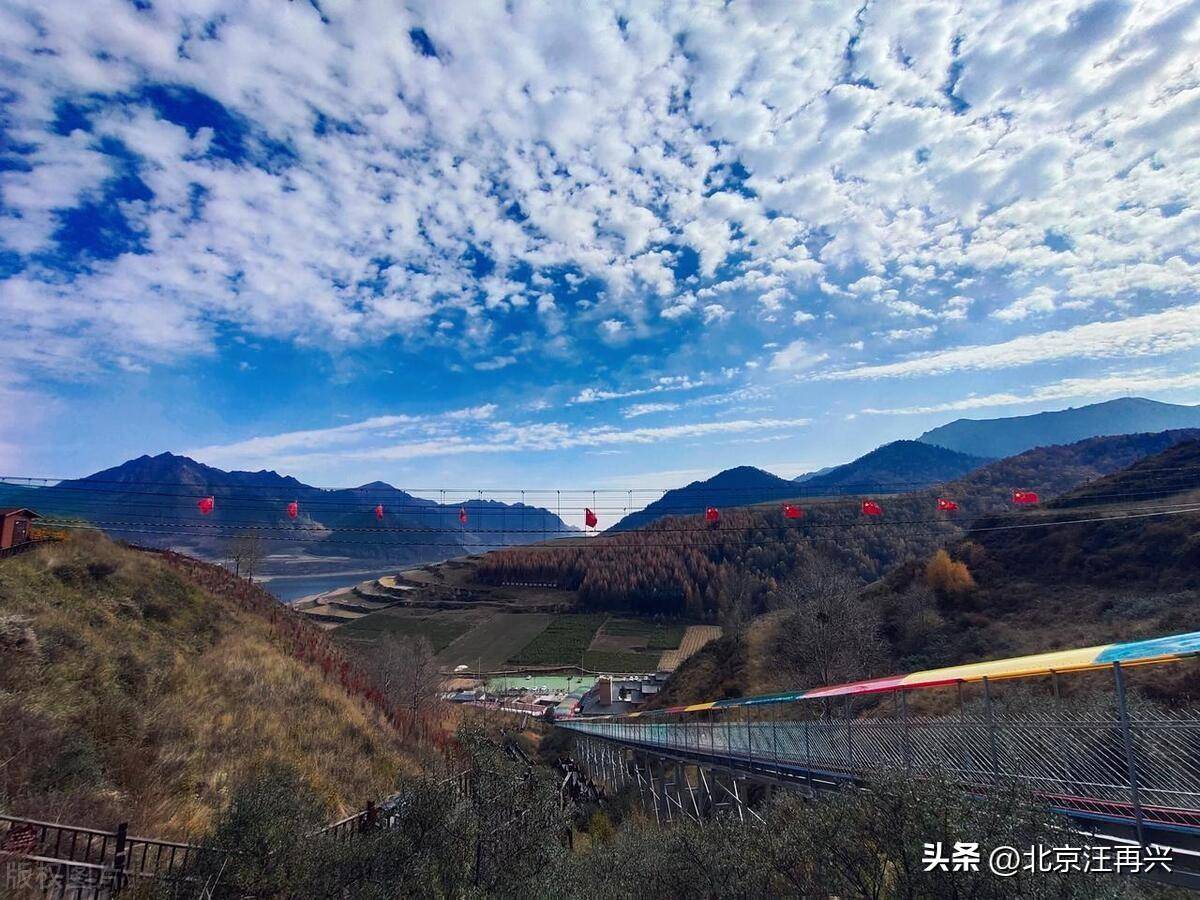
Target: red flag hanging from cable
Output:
{"points": [[379, 512], [792, 512], [589, 517], [945, 505], [871, 508], [206, 505], [1024, 498], [293, 509], [712, 516], [462, 515]]}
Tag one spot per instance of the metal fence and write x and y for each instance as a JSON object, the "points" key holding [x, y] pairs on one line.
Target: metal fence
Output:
{"points": [[70, 862], [1099, 756]]}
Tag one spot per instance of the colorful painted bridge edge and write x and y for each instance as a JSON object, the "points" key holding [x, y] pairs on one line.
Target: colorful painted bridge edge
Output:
{"points": [[1133, 653]]}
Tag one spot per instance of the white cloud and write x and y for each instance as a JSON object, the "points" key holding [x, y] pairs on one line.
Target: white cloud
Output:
{"points": [[715, 312], [272, 446], [612, 327], [1039, 300], [796, 357], [910, 334], [1153, 334], [495, 363], [1102, 386], [297, 450], [664, 383], [645, 409], [613, 136]]}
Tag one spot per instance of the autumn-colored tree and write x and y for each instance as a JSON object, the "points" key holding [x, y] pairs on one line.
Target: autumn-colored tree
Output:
{"points": [[948, 576]]}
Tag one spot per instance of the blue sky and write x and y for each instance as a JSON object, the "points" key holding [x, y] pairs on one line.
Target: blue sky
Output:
{"points": [[581, 244]]}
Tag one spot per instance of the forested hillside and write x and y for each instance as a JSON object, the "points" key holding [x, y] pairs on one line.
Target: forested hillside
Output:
{"points": [[1055, 582], [683, 566]]}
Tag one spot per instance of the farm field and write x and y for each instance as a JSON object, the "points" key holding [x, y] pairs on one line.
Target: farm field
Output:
{"points": [[694, 638], [494, 639], [562, 642], [442, 628], [625, 644]]}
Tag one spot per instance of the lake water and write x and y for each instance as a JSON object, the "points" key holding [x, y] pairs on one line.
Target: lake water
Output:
{"points": [[292, 587]]}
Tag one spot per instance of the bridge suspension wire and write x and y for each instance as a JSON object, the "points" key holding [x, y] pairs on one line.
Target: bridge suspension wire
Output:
{"points": [[413, 507], [102, 503], [225, 500], [992, 518], [891, 485], [598, 543]]}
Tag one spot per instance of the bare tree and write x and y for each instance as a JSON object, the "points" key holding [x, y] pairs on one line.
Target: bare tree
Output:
{"points": [[409, 675], [246, 550], [828, 633], [735, 601]]}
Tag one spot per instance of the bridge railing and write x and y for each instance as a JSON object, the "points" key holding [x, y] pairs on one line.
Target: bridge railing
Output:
{"points": [[1093, 747]]}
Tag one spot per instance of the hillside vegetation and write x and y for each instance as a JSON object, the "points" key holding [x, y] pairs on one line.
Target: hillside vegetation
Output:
{"points": [[681, 566], [998, 592], [137, 690]]}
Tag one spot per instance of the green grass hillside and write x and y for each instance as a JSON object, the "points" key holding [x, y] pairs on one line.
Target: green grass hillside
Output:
{"points": [[137, 688]]}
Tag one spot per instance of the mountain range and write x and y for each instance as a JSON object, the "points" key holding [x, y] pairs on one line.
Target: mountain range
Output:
{"points": [[895, 467], [153, 500], [145, 498], [938, 456], [1014, 434]]}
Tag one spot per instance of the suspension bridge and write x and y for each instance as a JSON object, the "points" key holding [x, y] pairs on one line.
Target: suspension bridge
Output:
{"points": [[1067, 728]]}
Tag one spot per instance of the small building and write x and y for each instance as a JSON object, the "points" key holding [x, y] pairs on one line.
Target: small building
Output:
{"points": [[14, 525]]}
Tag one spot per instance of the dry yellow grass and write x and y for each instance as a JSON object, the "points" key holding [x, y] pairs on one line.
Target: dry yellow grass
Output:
{"points": [[693, 640], [136, 695]]}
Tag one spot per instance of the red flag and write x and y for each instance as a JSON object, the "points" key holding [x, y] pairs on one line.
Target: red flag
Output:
{"points": [[792, 512], [293, 509], [1024, 497], [711, 515], [462, 515], [206, 505], [379, 512], [589, 517], [945, 505], [871, 508]]}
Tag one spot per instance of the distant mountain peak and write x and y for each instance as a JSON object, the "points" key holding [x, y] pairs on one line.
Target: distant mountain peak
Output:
{"points": [[894, 467], [1009, 435]]}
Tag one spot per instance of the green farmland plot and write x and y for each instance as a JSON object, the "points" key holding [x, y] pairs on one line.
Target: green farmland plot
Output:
{"points": [[439, 628], [648, 633], [620, 662], [562, 643]]}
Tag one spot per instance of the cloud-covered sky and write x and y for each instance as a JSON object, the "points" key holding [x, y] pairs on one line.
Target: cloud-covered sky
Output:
{"points": [[577, 243]]}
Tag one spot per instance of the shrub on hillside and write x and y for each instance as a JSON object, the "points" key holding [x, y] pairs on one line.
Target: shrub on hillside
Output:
{"points": [[948, 576]]}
